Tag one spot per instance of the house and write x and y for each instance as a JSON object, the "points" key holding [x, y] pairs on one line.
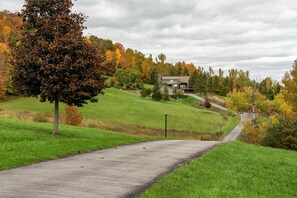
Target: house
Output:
{"points": [[176, 82]]}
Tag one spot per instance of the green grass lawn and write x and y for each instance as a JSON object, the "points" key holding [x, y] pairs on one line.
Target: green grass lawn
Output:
{"points": [[233, 170], [23, 143], [120, 108], [227, 99], [148, 86]]}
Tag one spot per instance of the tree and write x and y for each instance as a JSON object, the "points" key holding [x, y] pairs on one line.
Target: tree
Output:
{"points": [[2, 86], [193, 80], [282, 134], [157, 95], [129, 79], [283, 131], [202, 82], [146, 68], [247, 100], [53, 61], [166, 93], [162, 65], [294, 87], [154, 76], [233, 79]]}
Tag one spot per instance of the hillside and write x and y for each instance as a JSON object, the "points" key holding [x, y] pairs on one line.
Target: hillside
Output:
{"points": [[233, 170], [127, 112]]}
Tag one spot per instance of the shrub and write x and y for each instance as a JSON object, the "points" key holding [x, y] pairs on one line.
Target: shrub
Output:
{"points": [[40, 117], [252, 134], [145, 92], [206, 137], [157, 96], [207, 103], [72, 116], [114, 82], [179, 92], [282, 135]]}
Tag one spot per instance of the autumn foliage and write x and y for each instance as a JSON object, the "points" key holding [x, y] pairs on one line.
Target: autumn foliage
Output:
{"points": [[253, 134], [53, 61], [283, 132], [9, 34], [2, 87], [72, 116]]}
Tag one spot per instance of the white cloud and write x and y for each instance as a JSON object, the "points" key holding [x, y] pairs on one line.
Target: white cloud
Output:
{"points": [[258, 35]]}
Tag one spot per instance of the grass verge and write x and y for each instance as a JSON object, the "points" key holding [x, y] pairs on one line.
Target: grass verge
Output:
{"points": [[233, 170], [23, 143]]}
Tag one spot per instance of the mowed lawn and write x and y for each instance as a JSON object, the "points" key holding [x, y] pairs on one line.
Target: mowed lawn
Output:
{"points": [[117, 107], [233, 170], [23, 143]]}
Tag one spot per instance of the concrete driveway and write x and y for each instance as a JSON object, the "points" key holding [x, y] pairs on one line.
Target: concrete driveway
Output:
{"points": [[124, 171]]}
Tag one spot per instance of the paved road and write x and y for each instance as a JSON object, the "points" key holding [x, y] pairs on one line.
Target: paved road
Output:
{"points": [[202, 99], [125, 171], [236, 132]]}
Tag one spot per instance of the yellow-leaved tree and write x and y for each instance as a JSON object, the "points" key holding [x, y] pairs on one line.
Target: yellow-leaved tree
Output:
{"points": [[249, 100], [283, 131]]}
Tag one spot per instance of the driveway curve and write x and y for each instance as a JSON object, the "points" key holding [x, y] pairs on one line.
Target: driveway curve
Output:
{"points": [[236, 132], [203, 100], [125, 171]]}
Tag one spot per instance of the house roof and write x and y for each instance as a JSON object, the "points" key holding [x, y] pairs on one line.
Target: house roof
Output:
{"points": [[170, 77], [180, 79], [184, 79]]}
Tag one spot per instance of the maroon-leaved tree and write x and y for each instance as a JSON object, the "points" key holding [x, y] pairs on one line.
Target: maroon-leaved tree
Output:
{"points": [[53, 61]]}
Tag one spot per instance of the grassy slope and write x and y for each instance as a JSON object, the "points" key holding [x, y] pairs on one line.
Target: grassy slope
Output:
{"points": [[23, 143], [233, 170], [119, 107]]}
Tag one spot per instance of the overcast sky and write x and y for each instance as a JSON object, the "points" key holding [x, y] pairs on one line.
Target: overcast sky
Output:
{"points": [[255, 35]]}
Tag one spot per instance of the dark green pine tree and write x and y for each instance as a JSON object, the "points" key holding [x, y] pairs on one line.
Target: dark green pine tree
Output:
{"points": [[154, 77], [179, 71], [166, 93], [194, 81], [53, 61], [202, 83], [157, 95]]}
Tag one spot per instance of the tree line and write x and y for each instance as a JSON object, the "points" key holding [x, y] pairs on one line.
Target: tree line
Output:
{"points": [[115, 57]]}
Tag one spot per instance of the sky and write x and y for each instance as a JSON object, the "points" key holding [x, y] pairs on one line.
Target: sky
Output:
{"points": [[255, 35]]}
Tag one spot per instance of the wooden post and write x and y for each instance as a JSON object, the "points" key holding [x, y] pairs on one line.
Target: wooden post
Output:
{"points": [[166, 114]]}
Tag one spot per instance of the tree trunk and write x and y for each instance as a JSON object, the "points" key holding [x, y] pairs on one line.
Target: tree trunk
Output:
{"points": [[56, 119]]}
